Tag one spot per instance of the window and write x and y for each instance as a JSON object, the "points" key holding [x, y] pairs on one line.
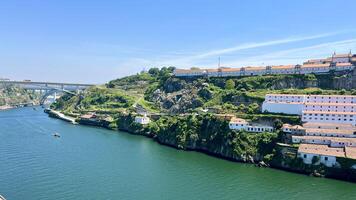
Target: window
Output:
{"points": [[305, 156], [326, 158]]}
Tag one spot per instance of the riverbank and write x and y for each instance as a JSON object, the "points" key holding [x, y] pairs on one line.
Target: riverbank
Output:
{"points": [[6, 107], [59, 115], [284, 156]]}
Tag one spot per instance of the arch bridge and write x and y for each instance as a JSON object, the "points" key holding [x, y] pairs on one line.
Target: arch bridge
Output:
{"points": [[49, 88]]}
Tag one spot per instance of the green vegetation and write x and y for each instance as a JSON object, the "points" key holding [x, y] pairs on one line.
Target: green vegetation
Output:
{"points": [[186, 109], [12, 95]]}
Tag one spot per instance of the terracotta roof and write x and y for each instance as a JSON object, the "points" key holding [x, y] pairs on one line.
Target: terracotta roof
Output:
{"points": [[212, 70], [250, 68], [321, 150], [188, 70], [229, 69], [88, 116], [283, 67], [329, 131], [292, 126], [350, 152], [315, 125], [343, 64], [238, 120], [334, 139], [315, 65], [319, 60]]}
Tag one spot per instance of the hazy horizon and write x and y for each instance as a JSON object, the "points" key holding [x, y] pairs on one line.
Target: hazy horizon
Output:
{"points": [[94, 42]]}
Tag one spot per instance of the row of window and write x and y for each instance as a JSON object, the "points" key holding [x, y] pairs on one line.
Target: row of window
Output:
{"points": [[333, 115], [327, 119]]}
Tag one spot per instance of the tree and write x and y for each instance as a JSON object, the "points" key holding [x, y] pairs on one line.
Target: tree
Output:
{"points": [[153, 71], [253, 108], [315, 160], [342, 92], [230, 84], [277, 123]]}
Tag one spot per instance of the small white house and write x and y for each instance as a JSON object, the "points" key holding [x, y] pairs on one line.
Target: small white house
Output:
{"points": [[242, 124], [238, 124], [142, 119]]}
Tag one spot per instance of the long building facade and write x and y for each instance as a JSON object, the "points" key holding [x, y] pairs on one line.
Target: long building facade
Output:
{"points": [[338, 62], [340, 109]]}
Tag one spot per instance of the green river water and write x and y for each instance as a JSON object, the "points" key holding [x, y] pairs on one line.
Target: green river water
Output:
{"points": [[93, 163]]}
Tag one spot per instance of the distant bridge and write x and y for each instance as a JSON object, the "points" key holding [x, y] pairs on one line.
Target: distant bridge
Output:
{"points": [[49, 87], [36, 85]]}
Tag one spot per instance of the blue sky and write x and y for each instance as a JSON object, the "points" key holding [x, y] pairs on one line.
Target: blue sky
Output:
{"points": [[95, 41]]}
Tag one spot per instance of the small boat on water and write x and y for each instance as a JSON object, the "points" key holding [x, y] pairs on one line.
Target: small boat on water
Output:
{"points": [[55, 135], [2, 198]]}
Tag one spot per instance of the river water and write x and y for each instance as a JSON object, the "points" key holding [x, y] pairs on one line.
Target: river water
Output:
{"points": [[93, 163]]}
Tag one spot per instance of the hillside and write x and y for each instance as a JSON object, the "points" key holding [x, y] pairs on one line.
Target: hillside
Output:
{"points": [[157, 91], [189, 113], [12, 96]]}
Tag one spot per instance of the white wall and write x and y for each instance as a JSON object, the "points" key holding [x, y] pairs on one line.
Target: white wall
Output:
{"points": [[287, 108], [307, 159]]}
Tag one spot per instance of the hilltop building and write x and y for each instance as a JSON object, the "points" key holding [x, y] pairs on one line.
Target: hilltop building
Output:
{"points": [[338, 62]]}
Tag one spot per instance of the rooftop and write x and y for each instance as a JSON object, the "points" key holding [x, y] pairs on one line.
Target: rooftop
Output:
{"points": [[238, 120], [350, 152], [316, 125], [315, 65], [292, 126], [329, 131], [321, 150], [334, 139]]}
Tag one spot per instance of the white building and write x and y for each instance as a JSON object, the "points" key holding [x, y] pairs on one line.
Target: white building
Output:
{"points": [[142, 119], [314, 108], [330, 107], [336, 142], [324, 154], [292, 108], [294, 130], [242, 124], [341, 58], [330, 132], [329, 117], [338, 62], [238, 124]]}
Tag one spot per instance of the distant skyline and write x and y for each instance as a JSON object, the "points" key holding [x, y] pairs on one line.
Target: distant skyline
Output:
{"points": [[97, 41]]}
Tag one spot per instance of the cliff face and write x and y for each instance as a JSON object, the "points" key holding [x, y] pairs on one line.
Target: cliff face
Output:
{"points": [[345, 81], [205, 134]]}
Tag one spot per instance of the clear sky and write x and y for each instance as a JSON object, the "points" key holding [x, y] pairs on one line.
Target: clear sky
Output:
{"points": [[92, 41]]}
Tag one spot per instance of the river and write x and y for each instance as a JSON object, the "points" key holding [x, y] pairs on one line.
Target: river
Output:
{"points": [[94, 163]]}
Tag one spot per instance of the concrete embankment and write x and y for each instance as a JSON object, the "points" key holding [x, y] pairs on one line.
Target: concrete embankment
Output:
{"points": [[5, 107], [59, 115]]}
